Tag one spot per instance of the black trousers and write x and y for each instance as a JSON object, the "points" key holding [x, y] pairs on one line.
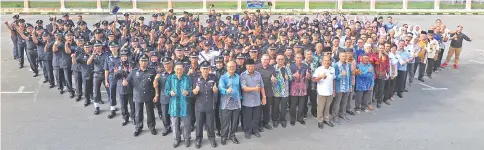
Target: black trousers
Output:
{"points": [[313, 94], [32, 58], [125, 100], [87, 88], [20, 52], [361, 99], [251, 119], [338, 110], [379, 90], [266, 111], [78, 81], [401, 81], [165, 116], [68, 78], [279, 108], [97, 82], [421, 70], [112, 90], [217, 113], [297, 105], [389, 89], [229, 119], [48, 71], [150, 115], [191, 110], [205, 118], [59, 78], [438, 62], [430, 66]]}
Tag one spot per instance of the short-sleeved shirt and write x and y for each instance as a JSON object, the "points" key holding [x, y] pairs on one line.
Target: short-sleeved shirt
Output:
{"points": [[325, 86], [205, 97], [252, 98], [266, 74]]}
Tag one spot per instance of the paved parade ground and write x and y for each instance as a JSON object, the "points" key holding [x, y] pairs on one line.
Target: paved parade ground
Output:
{"points": [[443, 113]]}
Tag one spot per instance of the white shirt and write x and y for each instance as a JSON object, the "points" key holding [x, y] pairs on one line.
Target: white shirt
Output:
{"points": [[325, 86], [209, 56]]}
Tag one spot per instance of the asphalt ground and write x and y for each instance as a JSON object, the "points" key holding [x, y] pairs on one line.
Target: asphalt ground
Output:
{"points": [[443, 113]]}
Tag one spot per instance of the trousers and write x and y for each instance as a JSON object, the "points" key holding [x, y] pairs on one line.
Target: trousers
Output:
{"points": [[150, 115], [389, 89], [205, 118], [379, 90], [20, 52], [430, 66], [361, 99], [438, 62], [59, 78], [68, 78], [97, 82], [178, 123], [48, 71], [324, 104], [339, 104], [78, 81], [279, 108], [297, 105], [125, 100], [229, 119], [87, 88], [266, 111], [32, 58], [401, 81], [251, 119], [410, 73], [112, 90]]}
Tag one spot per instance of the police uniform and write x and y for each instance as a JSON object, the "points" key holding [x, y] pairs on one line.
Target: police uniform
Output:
{"points": [[46, 57], [218, 73], [98, 62], [56, 61], [76, 70], [125, 92], [66, 64], [205, 105], [143, 94], [193, 76], [164, 98], [86, 73], [32, 54], [109, 66], [21, 45]]}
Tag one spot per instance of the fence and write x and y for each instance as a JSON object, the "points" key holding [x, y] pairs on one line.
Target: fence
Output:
{"points": [[239, 5]]}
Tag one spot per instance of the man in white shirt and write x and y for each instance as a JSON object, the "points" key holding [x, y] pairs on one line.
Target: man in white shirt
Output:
{"points": [[324, 76]]}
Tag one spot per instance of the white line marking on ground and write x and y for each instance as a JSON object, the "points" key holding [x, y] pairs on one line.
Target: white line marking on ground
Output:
{"points": [[434, 89], [104, 91], [21, 88], [480, 62], [16, 92], [37, 90], [426, 85]]}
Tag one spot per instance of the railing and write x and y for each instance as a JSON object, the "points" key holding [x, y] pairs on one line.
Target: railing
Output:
{"points": [[239, 5]]}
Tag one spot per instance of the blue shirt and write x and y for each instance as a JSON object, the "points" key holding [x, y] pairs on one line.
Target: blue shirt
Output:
{"points": [[358, 52], [365, 80], [230, 101], [402, 56], [343, 83], [252, 98], [389, 26], [178, 103]]}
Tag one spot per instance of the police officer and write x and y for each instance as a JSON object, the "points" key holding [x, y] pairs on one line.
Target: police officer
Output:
{"points": [[44, 47], [219, 70], [86, 71], [110, 81], [142, 80], [66, 62], [121, 72], [56, 61], [205, 92], [153, 24], [20, 28], [31, 47], [194, 73], [76, 68], [164, 98], [97, 59], [240, 63]]}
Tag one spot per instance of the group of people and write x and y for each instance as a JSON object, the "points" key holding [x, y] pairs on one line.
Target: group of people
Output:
{"points": [[244, 69]]}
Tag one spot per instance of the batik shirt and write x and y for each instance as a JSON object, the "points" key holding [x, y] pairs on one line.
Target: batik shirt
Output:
{"points": [[312, 67], [178, 103], [343, 83], [299, 85], [281, 86], [230, 101], [365, 80]]}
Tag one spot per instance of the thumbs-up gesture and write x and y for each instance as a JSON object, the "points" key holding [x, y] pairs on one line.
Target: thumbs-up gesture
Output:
{"points": [[196, 90], [190, 71], [273, 79], [214, 88], [308, 75], [343, 73], [286, 77], [296, 75], [172, 93], [125, 82], [115, 69], [185, 93], [370, 70], [229, 90]]}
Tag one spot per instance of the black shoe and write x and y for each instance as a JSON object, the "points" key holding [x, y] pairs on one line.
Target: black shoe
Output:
{"points": [[400, 95], [387, 102], [198, 143], [350, 112], [45, 81], [160, 115], [136, 133], [345, 118], [421, 79], [78, 98], [20, 67], [223, 141], [314, 115], [213, 143], [87, 103], [35, 75], [328, 123], [72, 94], [320, 125], [101, 102], [61, 92], [112, 114], [187, 143], [261, 129], [429, 76], [247, 136], [302, 122], [257, 134], [166, 131], [176, 143], [275, 124], [217, 133], [293, 123], [268, 127], [96, 112], [125, 122], [283, 124], [153, 131], [51, 86], [234, 140]]}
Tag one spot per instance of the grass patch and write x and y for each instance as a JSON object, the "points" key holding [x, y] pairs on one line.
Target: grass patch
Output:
{"points": [[37, 4], [356, 5], [388, 5], [188, 5], [12, 4], [420, 5], [452, 6], [151, 5], [289, 5], [322, 5], [477, 6]]}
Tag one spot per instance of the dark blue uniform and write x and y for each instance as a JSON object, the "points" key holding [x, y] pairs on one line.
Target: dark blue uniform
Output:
{"points": [[143, 94], [164, 99], [87, 75], [45, 55], [109, 65], [98, 63], [125, 92]]}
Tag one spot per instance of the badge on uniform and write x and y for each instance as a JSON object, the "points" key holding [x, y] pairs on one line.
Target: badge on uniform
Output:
{"points": [[137, 74]]}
